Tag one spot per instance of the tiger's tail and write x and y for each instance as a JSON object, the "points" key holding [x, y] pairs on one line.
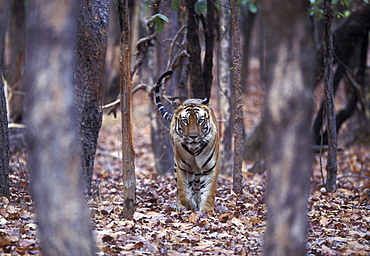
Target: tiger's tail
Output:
{"points": [[157, 96]]}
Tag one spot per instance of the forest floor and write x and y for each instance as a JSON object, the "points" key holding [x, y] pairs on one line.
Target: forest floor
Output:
{"points": [[339, 223]]}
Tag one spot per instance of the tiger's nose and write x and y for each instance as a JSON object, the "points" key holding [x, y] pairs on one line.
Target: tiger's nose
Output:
{"points": [[193, 136]]}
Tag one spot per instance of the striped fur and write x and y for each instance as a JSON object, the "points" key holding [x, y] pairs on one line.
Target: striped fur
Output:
{"points": [[195, 141]]}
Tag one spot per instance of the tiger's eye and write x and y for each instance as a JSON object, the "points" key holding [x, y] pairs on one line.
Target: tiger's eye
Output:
{"points": [[184, 121], [200, 121]]}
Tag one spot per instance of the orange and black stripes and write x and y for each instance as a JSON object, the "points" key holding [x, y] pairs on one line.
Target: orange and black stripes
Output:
{"points": [[195, 141]]}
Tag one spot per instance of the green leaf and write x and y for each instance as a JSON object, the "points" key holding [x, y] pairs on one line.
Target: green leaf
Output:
{"points": [[347, 13], [200, 6], [159, 25], [252, 8], [175, 4], [157, 21], [160, 16]]}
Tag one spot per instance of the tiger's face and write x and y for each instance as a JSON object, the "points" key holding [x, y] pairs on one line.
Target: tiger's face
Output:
{"points": [[192, 127]]}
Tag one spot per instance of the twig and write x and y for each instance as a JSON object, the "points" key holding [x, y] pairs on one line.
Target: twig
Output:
{"points": [[142, 46], [172, 45], [17, 126], [135, 90], [353, 176]]}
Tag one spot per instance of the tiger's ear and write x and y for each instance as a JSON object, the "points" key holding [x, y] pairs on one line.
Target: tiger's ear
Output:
{"points": [[176, 103], [205, 101]]}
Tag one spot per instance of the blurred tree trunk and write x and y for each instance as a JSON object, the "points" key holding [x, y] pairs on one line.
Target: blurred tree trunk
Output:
{"points": [[14, 62], [289, 72], [237, 99], [247, 25], [62, 215], [331, 166], [227, 114], [128, 154], [209, 27], [161, 143], [91, 50], [4, 132]]}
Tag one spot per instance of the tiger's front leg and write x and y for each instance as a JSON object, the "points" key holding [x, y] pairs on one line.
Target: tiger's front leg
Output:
{"points": [[208, 188], [184, 198]]}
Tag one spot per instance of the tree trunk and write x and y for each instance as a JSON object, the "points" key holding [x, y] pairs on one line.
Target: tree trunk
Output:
{"points": [[237, 99], [347, 35], [4, 135], [4, 132], [91, 49], [247, 25], [128, 154], [289, 60], [51, 135], [196, 81], [14, 63], [161, 143], [227, 115], [317, 125], [331, 166], [209, 34]]}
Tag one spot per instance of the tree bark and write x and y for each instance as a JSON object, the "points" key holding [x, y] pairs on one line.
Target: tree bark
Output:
{"points": [[161, 144], [128, 154], [289, 71], [4, 137], [196, 81], [237, 99], [14, 63], [247, 21], [91, 52], [347, 35], [4, 132], [51, 134], [225, 95], [209, 34], [331, 166], [319, 137]]}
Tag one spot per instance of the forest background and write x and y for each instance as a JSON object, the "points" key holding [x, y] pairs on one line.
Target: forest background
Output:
{"points": [[158, 39]]}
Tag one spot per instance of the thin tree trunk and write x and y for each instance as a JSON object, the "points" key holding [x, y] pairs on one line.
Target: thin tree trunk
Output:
{"points": [[91, 49], [209, 34], [289, 72], [317, 125], [347, 34], [227, 115], [331, 166], [128, 154], [4, 139], [4, 132], [237, 99], [51, 135]]}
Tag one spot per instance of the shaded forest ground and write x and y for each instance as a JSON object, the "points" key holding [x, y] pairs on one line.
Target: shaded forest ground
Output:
{"points": [[339, 222]]}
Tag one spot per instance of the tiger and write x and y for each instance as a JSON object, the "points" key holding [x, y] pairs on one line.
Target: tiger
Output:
{"points": [[195, 142]]}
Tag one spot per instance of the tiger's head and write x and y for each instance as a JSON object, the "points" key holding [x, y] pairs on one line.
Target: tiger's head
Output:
{"points": [[192, 125]]}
